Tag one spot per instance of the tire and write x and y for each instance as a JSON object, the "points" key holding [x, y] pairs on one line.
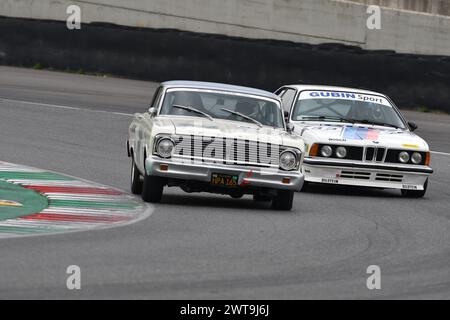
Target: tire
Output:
{"points": [[259, 198], [305, 187], [152, 188], [136, 182], [283, 200], [414, 193]]}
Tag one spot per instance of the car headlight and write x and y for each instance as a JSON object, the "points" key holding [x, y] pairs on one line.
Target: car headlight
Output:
{"points": [[164, 147], [326, 151], [288, 160], [341, 152], [416, 158], [403, 157]]}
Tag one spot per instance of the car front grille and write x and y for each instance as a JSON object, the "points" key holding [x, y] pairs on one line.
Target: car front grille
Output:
{"points": [[227, 151], [355, 175], [375, 154], [389, 177]]}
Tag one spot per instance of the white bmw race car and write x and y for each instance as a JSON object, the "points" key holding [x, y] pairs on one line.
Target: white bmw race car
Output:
{"points": [[357, 138]]}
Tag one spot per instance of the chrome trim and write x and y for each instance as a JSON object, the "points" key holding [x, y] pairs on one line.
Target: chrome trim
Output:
{"points": [[158, 139], [254, 177], [298, 155]]}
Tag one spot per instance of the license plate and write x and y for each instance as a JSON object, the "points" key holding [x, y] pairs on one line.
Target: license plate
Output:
{"points": [[227, 180]]}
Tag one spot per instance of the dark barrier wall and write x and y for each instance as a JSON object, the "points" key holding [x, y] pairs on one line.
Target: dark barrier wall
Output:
{"points": [[412, 81]]}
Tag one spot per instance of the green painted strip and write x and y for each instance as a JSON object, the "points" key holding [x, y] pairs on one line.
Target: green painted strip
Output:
{"points": [[92, 204], [32, 175], [30, 201], [25, 230]]}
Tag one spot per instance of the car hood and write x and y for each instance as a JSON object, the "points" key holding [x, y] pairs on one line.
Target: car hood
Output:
{"points": [[230, 129], [361, 135]]}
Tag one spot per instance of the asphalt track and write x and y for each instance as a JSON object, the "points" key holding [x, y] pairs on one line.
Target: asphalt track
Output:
{"points": [[210, 246]]}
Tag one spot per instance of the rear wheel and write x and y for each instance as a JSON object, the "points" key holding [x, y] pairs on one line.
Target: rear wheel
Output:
{"points": [[152, 188], [416, 193], [136, 182], [283, 200]]}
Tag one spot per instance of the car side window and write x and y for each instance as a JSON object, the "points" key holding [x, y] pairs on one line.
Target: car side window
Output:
{"points": [[287, 97]]}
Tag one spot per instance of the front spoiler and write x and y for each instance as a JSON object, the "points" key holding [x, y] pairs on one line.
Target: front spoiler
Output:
{"points": [[248, 176], [366, 175]]}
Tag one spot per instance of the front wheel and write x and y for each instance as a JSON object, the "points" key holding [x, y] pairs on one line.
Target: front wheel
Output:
{"points": [[136, 182], [305, 187], [283, 200], [152, 189], [416, 193], [261, 198]]}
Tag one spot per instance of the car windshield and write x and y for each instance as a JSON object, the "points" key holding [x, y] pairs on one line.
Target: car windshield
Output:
{"points": [[226, 106], [346, 107]]}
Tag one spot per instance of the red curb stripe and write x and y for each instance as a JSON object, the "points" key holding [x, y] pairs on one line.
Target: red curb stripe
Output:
{"points": [[74, 190], [73, 217]]}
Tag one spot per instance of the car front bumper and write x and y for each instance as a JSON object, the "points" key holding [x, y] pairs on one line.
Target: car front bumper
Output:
{"points": [[248, 176], [366, 174]]}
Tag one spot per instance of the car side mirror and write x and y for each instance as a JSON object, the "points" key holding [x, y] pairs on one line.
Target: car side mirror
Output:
{"points": [[152, 111], [290, 127], [286, 115], [413, 126]]}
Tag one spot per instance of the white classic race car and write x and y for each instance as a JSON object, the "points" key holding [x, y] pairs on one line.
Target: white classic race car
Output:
{"points": [[357, 138], [212, 137]]}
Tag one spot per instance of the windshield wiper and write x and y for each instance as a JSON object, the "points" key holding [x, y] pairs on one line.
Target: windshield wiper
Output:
{"points": [[328, 117], [375, 123], [192, 109], [244, 116]]}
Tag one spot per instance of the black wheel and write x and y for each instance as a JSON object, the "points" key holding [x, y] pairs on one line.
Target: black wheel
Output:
{"points": [[416, 193], [283, 200], [136, 182], [305, 187], [259, 198], [152, 189]]}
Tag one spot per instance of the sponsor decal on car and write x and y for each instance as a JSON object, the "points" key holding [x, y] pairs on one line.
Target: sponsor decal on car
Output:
{"points": [[361, 133], [412, 146], [344, 96], [337, 139], [327, 180]]}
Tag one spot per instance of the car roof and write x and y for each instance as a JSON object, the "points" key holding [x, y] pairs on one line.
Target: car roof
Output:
{"points": [[301, 87], [219, 86]]}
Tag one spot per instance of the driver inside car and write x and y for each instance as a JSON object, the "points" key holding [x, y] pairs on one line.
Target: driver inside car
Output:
{"points": [[247, 108]]}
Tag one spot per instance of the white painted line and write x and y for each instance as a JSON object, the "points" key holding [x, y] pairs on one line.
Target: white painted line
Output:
{"points": [[441, 153], [122, 114], [39, 104]]}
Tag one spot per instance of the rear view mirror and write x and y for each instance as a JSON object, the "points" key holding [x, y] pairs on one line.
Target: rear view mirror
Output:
{"points": [[290, 127], [413, 126], [152, 111]]}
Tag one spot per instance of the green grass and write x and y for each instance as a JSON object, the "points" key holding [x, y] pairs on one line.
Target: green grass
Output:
{"points": [[424, 109], [38, 66]]}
